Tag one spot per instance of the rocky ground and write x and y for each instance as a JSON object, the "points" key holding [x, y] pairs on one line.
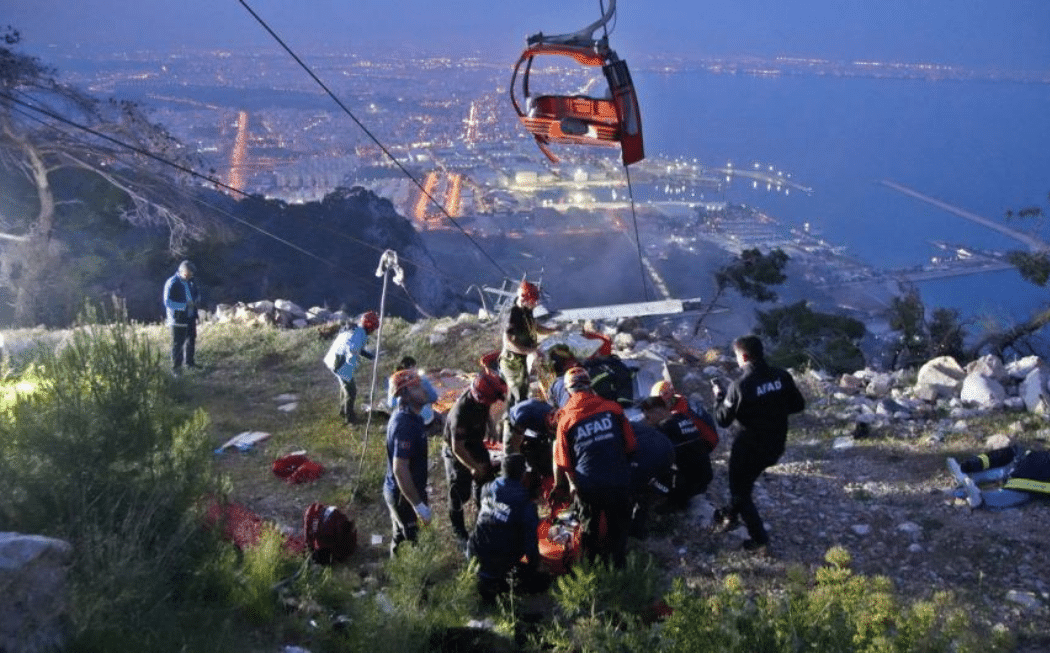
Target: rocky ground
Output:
{"points": [[889, 503], [885, 497]]}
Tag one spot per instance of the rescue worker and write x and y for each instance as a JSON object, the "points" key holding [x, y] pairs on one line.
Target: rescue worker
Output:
{"points": [[520, 338], [432, 419], [652, 472], [182, 299], [405, 484], [532, 423], [561, 360], [692, 473], [505, 533], [759, 403], [344, 357], [467, 464], [592, 454]]}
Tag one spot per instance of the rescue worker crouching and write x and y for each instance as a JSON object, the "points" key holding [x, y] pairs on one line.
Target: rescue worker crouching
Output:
{"points": [[504, 540]]}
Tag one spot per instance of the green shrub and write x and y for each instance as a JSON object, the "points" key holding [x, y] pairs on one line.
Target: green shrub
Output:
{"points": [[594, 588], [95, 452], [835, 612]]}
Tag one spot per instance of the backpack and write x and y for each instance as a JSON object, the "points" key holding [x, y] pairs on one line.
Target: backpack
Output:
{"points": [[611, 378], [331, 536]]}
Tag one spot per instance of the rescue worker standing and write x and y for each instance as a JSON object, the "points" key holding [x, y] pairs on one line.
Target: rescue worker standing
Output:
{"points": [[520, 338], [505, 532], [593, 446], [182, 299], [343, 358], [467, 465], [759, 402], [405, 484]]}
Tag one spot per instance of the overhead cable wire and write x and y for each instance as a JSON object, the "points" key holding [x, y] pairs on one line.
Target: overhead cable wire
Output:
{"points": [[637, 237], [372, 136], [195, 198], [183, 168]]}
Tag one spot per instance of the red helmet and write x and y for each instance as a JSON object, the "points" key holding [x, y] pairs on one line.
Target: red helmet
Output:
{"points": [[577, 378], [528, 292], [404, 379], [369, 321], [488, 388], [664, 390]]}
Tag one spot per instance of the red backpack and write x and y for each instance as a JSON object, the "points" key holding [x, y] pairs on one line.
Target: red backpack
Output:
{"points": [[331, 536]]}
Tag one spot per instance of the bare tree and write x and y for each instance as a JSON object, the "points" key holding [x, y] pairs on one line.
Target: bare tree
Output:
{"points": [[47, 126]]}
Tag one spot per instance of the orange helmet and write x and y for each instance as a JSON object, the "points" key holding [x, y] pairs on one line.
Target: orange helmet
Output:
{"points": [[404, 379], [577, 378], [488, 388], [664, 390], [369, 321], [528, 292]]}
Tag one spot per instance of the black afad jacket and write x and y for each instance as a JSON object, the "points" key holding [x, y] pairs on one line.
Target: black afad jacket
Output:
{"points": [[760, 402]]}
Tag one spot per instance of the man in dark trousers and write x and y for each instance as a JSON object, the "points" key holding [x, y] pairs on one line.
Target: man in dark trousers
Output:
{"points": [[506, 532], [182, 299], [759, 402], [593, 448], [405, 484], [468, 426]]}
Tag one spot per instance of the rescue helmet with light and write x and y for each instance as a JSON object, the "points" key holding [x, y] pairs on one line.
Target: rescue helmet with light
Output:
{"points": [[487, 388]]}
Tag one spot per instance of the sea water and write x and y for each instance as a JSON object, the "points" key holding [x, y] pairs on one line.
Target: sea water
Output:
{"points": [[982, 146]]}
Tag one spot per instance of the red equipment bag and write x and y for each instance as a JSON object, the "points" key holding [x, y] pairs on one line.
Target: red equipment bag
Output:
{"points": [[331, 536], [297, 468]]}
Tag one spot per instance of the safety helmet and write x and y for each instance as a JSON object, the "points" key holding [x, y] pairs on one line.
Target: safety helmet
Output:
{"points": [[664, 390], [403, 379], [369, 321], [488, 388], [528, 292], [188, 266], [577, 378]]}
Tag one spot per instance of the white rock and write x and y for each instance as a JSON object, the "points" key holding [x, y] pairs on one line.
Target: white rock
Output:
{"points": [[1025, 599], [860, 529], [938, 378], [997, 441], [981, 390], [289, 407], [262, 306], [292, 308], [909, 527], [845, 442], [915, 547], [1019, 369], [1033, 391], [988, 365], [34, 604]]}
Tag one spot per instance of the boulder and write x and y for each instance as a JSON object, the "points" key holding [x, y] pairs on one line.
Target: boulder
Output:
{"points": [[34, 606], [982, 391], [939, 378], [291, 308], [1021, 368], [988, 365], [1033, 391]]}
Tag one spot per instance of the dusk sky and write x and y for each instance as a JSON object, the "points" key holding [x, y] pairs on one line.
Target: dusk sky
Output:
{"points": [[1008, 34]]}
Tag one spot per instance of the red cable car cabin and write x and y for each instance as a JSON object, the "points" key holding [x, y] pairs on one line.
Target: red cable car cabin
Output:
{"points": [[612, 121]]}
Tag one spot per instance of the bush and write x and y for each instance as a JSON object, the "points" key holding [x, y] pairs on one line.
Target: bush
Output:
{"points": [[836, 612], [94, 451]]}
